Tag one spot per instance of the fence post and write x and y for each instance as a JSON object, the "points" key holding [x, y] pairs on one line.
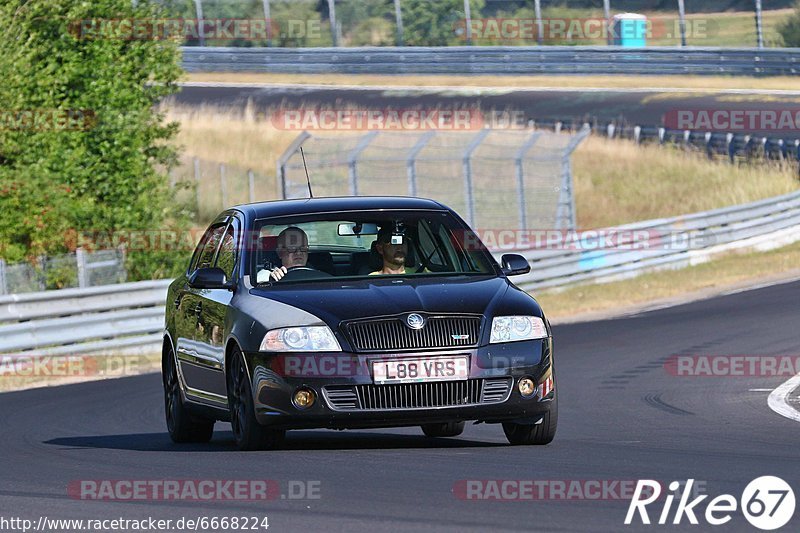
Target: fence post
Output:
{"points": [[797, 155], [468, 20], [80, 259], [196, 164], [251, 181], [524, 149], [268, 20], [280, 165], [352, 159], [467, 161], [759, 25], [332, 19], [198, 5], [537, 5], [731, 147], [411, 162], [566, 198], [3, 282], [223, 185], [682, 22], [398, 15]]}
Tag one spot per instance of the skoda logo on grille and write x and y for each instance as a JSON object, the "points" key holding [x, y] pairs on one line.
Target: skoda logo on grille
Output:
{"points": [[415, 321]]}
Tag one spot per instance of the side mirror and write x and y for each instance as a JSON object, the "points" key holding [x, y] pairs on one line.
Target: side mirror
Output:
{"points": [[515, 264], [209, 278]]}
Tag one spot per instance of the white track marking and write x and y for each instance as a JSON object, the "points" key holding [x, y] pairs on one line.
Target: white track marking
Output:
{"points": [[488, 90], [778, 399]]}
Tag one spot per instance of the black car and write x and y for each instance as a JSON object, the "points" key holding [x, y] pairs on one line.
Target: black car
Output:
{"points": [[360, 312]]}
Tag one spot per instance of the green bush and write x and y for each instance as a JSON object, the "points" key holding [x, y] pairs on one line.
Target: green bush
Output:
{"points": [[96, 156], [427, 23], [789, 30]]}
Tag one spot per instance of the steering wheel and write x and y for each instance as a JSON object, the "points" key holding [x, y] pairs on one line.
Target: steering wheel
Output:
{"points": [[303, 272]]}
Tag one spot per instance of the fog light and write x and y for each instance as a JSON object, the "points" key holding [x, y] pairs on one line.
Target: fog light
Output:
{"points": [[526, 387], [304, 398]]}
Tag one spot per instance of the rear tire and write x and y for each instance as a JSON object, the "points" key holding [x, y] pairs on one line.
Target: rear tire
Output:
{"points": [[539, 434], [182, 425], [445, 429], [249, 434]]}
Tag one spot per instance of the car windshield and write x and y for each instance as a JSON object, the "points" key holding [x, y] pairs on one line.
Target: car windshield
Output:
{"points": [[381, 243]]}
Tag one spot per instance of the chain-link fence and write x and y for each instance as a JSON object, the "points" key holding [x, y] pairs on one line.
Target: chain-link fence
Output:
{"points": [[78, 269], [312, 23], [213, 186], [493, 178]]}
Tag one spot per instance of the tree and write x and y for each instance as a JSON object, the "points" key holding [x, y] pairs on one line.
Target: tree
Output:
{"points": [[790, 28], [82, 147], [427, 23]]}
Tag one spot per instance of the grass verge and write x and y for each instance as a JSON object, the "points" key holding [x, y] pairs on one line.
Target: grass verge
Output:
{"points": [[728, 271]]}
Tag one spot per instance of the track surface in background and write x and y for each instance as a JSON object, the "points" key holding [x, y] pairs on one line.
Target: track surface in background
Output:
{"points": [[638, 108], [622, 416]]}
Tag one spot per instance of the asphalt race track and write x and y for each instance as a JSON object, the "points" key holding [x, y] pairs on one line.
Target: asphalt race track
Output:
{"points": [[622, 417], [636, 107]]}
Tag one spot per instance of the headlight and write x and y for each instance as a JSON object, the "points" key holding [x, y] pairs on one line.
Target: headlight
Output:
{"points": [[517, 328], [300, 339]]}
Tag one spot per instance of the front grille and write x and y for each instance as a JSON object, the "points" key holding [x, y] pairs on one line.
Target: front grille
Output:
{"points": [[418, 395], [393, 334]]}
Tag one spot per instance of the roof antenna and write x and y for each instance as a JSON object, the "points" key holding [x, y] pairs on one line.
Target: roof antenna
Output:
{"points": [[308, 179]]}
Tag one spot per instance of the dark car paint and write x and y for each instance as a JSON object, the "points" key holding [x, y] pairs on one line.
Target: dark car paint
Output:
{"points": [[242, 315]]}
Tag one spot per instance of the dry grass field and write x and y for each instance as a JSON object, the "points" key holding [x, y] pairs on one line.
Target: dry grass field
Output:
{"points": [[616, 182]]}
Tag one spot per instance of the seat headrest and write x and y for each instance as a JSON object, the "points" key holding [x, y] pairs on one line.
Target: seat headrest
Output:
{"points": [[269, 243]]}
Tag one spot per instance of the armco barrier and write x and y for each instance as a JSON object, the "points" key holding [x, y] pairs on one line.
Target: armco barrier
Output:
{"points": [[96, 319], [497, 60], [116, 317], [705, 234]]}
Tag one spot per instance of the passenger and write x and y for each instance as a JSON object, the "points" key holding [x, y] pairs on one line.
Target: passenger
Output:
{"points": [[393, 255]]}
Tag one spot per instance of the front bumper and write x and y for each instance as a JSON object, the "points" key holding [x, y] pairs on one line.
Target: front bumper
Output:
{"points": [[276, 377]]}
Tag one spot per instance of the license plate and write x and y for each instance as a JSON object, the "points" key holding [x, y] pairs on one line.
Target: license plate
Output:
{"points": [[418, 370]]}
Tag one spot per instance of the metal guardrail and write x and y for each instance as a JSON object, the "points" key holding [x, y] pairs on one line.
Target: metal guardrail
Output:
{"points": [[662, 243], [83, 321], [497, 60], [116, 317], [734, 147]]}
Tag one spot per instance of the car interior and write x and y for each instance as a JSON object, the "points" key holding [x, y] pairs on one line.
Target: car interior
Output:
{"points": [[334, 262]]}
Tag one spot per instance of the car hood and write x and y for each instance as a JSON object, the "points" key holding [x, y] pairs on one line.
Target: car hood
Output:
{"points": [[335, 302]]}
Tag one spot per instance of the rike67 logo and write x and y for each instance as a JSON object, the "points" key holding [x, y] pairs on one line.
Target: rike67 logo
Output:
{"points": [[767, 503]]}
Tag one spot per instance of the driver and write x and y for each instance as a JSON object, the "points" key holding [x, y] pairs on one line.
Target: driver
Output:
{"points": [[292, 248]]}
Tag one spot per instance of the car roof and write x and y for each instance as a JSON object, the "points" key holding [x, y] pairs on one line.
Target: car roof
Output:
{"points": [[302, 206]]}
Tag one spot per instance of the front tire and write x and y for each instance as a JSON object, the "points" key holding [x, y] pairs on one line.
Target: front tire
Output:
{"points": [[249, 434], [539, 434], [445, 429], [182, 426]]}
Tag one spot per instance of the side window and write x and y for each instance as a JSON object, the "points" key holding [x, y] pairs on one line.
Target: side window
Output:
{"points": [[204, 255], [226, 257], [428, 246]]}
